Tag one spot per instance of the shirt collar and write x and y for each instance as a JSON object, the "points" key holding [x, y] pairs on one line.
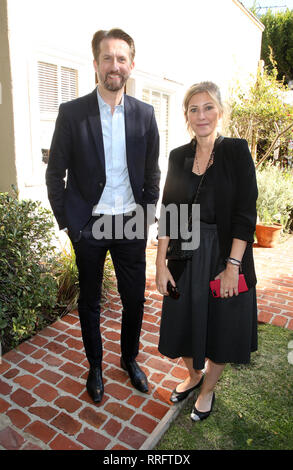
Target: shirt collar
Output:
{"points": [[103, 104]]}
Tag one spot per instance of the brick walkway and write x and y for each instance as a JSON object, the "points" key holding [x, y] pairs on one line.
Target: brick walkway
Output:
{"points": [[43, 401]]}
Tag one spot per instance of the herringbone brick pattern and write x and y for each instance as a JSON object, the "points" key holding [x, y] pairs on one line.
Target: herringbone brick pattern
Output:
{"points": [[43, 401]]}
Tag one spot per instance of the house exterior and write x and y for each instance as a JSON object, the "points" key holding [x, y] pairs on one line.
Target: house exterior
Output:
{"points": [[46, 59]]}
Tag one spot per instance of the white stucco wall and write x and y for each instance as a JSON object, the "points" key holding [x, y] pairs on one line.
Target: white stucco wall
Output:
{"points": [[182, 42]]}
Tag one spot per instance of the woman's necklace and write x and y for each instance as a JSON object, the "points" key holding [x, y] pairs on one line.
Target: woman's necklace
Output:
{"points": [[210, 162]]}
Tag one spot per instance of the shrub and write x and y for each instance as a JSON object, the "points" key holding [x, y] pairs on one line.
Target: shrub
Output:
{"points": [[28, 289], [37, 284], [275, 195], [66, 273], [262, 116]]}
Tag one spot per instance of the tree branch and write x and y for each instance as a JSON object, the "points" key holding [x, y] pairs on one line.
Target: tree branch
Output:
{"points": [[273, 144], [236, 132]]}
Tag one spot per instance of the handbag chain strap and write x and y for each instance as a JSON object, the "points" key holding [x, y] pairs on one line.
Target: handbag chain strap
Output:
{"points": [[200, 183], [217, 142]]}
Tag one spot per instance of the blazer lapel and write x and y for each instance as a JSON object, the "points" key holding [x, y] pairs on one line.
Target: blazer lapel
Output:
{"points": [[189, 157], [96, 126], [129, 133]]}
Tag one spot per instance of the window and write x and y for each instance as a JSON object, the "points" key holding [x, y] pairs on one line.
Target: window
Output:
{"points": [[161, 103], [68, 84], [57, 84], [48, 87]]}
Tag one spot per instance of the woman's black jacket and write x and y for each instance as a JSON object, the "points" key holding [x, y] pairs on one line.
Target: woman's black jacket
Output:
{"points": [[235, 190]]}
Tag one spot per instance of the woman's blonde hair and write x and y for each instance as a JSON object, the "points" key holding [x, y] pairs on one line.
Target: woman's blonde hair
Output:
{"points": [[203, 87]]}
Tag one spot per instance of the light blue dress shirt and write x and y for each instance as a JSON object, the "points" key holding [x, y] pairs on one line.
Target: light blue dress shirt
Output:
{"points": [[117, 197]]}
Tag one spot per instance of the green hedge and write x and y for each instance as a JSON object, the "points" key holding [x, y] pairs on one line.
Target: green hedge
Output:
{"points": [[28, 288], [38, 284], [275, 195]]}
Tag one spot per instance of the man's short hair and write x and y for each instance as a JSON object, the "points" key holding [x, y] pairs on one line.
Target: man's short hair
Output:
{"points": [[115, 33]]}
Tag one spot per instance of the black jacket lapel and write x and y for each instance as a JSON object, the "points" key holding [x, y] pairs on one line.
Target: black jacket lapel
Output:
{"points": [[95, 126], [129, 133]]}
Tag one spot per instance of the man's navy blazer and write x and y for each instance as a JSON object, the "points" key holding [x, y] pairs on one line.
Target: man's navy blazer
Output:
{"points": [[76, 176]]}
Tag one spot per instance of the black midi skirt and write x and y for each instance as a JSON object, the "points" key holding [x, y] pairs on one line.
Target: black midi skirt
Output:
{"points": [[199, 326]]}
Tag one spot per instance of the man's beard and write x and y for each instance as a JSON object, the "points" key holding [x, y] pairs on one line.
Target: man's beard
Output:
{"points": [[111, 87]]}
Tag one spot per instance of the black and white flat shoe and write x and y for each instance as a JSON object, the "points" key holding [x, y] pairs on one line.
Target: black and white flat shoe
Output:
{"points": [[197, 415], [179, 396]]}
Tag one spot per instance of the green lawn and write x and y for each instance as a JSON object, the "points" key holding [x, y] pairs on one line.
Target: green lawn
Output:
{"points": [[253, 408]]}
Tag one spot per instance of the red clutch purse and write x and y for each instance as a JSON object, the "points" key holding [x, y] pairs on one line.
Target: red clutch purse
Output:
{"points": [[215, 286]]}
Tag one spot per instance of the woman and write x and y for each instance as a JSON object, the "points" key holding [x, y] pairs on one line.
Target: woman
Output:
{"points": [[209, 332]]}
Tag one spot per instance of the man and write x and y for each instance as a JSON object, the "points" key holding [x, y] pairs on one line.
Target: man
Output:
{"points": [[108, 144]]}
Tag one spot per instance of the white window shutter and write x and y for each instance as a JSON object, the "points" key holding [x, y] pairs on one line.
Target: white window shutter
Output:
{"points": [[48, 87], [156, 102], [69, 84], [146, 95], [160, 102], [165, 125], [57, 84]]}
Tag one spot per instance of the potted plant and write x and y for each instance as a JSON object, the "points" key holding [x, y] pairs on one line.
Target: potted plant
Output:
{"points": [[274, 204], [268, 234]]}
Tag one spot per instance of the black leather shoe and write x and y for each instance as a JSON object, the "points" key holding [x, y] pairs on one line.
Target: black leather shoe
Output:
{"points": [[137, 376], [94, 384], [197, 415], [179, 396]]}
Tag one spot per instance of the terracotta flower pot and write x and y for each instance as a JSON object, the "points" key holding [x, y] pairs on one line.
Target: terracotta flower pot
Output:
{"points": [[268, 235]]}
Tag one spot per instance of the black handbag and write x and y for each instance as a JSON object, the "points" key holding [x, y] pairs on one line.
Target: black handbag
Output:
{"points": [[174, 250]]}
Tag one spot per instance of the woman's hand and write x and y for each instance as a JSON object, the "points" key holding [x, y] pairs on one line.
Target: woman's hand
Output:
{"points": [[163, 275], [229, 281]]}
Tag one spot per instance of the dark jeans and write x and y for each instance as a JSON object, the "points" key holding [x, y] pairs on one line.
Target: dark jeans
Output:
{"points": [[128, 258]]}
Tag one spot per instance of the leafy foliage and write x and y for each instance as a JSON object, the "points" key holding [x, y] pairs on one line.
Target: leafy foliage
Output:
{"points": [[275, 195], [66, 273], [37, 283], [28, 289], [261, 112], [277, 41]]}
